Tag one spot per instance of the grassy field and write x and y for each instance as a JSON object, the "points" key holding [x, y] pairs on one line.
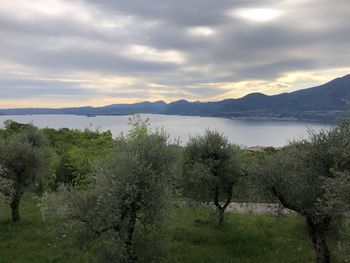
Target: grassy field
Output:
{"points": [[193, 237]]}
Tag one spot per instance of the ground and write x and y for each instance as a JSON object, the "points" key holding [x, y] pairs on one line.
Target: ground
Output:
{"points": [[193, 237]]}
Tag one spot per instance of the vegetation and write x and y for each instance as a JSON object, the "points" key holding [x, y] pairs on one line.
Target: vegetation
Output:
{"points": [[312, 178], [192, 237], [131, 187], [211, 168], [76, 154], [121, 200], [23, 158]]}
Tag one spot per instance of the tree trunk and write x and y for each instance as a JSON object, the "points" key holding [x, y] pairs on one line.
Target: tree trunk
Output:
{"points": [[15, 208], [317, 233], [129, 245], [221, 209], [129, 235], [221, 216]]}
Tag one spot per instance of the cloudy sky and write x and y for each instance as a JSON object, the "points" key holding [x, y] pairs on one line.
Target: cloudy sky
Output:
{"points": [[56, 53]]}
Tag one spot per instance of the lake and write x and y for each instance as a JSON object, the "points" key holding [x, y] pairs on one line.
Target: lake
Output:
{"points": [[244, 132]]}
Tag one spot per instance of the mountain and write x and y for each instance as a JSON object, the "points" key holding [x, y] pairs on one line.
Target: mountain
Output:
{"points": [[322, 103], [114, 109]]}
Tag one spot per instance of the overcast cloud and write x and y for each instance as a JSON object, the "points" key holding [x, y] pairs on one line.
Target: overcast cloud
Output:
{"points": [[70, 53]]}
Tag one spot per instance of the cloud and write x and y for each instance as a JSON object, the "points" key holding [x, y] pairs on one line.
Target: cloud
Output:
{"points": [[201, 31], [256, 14], [21, 88], [95, 52]]}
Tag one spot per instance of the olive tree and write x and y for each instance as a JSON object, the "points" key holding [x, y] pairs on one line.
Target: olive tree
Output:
{"points": [[5, 189], [23, 158], [211, 167], [312, 178], [131, 188], [6, 186]]}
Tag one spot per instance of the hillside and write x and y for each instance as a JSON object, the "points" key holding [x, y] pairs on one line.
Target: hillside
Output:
{"points": [[322, 103]]}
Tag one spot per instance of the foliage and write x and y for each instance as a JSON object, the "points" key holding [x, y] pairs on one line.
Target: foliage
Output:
{"points": [[131, 187], [23, 158], [6, 189], [312, 178], [118, 194], [246, 190], [11, 128], [210, 170], [76, 153]]}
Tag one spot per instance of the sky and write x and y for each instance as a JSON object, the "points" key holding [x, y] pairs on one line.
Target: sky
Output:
{"points": [[57, 53]]}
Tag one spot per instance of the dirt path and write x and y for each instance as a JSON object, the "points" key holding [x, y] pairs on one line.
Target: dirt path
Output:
{"points": [[245, 208]]}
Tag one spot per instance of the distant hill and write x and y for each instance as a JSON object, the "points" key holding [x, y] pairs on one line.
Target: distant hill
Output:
{"points": [[322, 103]]}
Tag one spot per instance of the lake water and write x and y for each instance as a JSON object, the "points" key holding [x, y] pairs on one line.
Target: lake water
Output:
{"points": [[243, 132]]}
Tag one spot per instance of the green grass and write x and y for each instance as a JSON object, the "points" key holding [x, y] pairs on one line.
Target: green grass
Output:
{"points": [[193, 237], [30, 240], [244, 238]]}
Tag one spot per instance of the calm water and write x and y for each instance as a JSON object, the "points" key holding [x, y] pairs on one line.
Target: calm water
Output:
{"points": [[244, 132]]}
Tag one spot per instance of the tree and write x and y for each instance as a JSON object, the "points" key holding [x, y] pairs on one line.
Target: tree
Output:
{"points": [[5, 188], [210, 170], [131, 186], [76, 153], [312, 178], [23, 158], [12, 127]]}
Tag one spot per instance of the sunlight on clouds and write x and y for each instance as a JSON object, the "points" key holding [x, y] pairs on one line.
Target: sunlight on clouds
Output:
{"points": [[64, 101], [152, 54], [14, 69], [111, 88], [201, 31], [31, 10], [65, 10], [109, 82], [101, 84], [306, 79], [58, 102], [239, 89], [288, 82], [256, 14], [104, 52], [167, 92], [50, 8]]}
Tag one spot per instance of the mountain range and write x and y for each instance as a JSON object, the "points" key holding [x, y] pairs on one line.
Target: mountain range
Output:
{"points": [[326, 102]]}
